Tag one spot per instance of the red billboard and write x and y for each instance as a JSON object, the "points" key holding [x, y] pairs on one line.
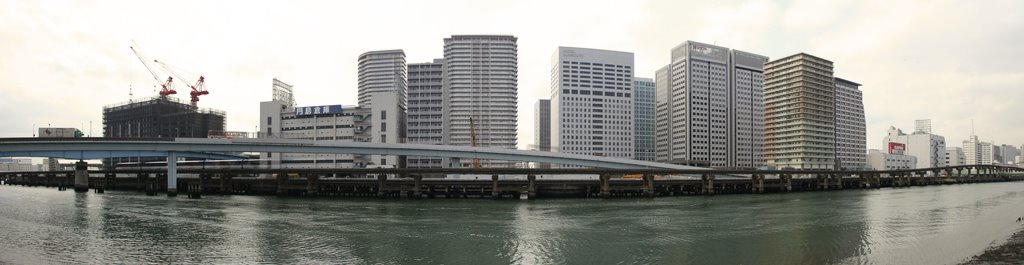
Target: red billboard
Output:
{"points": [[897, 148]]}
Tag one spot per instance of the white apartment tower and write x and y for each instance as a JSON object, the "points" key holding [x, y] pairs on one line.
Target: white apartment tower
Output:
{"points": [[481, 83], [382, 72], [426, 111], [709, 107], [851, 131], [592, 102], [800, 113], [643, 118]]}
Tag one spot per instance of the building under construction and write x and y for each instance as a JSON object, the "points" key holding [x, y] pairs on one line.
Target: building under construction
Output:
{"points": [[158, 117]]}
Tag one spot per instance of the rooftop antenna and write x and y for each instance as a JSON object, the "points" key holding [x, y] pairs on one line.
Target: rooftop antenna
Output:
{"points": [[972, 127], [130, 94]]}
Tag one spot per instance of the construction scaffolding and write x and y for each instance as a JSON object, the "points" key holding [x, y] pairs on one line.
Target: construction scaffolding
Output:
{"points": [[158, 117]]}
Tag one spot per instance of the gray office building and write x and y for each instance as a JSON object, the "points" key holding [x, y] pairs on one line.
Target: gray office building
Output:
{"points": [[709, 107], [542, 128]]}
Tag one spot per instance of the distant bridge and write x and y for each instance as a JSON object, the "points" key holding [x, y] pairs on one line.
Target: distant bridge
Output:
{"points": [[172, 148], [606, 167]]}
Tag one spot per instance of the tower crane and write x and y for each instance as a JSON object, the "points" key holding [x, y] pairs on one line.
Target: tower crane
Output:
{"points": [[198, 89], [166, 88]]}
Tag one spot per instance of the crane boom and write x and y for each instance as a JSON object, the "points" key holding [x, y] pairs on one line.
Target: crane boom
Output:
{"points": [[472, 140], [166, 88], [198, 89]]}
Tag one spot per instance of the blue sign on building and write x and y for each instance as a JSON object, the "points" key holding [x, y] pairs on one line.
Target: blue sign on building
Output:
{"points": [[317, 110]]}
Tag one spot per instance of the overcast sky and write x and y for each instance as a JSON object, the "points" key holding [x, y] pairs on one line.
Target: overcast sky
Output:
{"points": [[62, 61]]}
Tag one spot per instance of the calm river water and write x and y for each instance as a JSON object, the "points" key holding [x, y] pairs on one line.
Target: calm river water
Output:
{"points": [[921, 225]]}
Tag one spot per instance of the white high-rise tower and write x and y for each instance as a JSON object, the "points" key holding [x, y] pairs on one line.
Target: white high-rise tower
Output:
{"points": [[481, 82], [382, 72]]}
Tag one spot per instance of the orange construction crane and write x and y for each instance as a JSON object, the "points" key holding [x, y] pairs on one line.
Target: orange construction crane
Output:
{"points": [[166, 86], [472, 140]]}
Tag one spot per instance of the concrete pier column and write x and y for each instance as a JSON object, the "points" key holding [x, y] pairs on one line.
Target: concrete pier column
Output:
{"points": [[417, 186], [648, 185], [172, 174], [195, 189], [822, 182], [312, 188], [531, 187], [281, 179], [495, 193], [381, 182], [225, 184], [787, 182], [81, 176], [707, 184], [757, 183], [606, 189]]}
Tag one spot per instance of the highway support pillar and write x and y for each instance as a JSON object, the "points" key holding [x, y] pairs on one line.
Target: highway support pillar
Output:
{"points": [[495, 193], [417, 186], [648, 185], [172, 174], [531, 187], [81, 176], [606, 189]]}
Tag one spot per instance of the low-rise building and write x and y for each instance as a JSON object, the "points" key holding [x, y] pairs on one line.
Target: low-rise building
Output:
{"points": [[381, 121], [878, 160], [928, 148], [8, 164], [955, 156]]}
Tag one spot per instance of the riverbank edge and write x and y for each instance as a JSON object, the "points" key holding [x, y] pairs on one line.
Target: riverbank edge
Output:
{"points": [[1010, 252]]}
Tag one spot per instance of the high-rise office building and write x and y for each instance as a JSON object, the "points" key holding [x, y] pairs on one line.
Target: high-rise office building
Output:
{"points": [[851, 131], [709, 107], [426, 111], [382, 72], [542, 125], [977, 152], [481, 84], [592, 102], [800, 113], [542, 128], [643, 118], [1008, 154], [663, 116]]}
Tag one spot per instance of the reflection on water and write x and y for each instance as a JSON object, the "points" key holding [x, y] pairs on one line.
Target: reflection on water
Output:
{"points": [[924, 225]]}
